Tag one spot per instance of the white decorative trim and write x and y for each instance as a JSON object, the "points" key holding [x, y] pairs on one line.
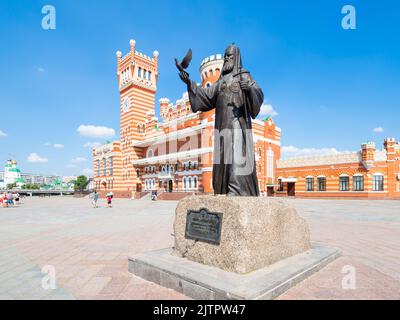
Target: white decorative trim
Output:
{"points": [[289, 180], [171, 136], [258, 138], [341, 158], [173, 156]]}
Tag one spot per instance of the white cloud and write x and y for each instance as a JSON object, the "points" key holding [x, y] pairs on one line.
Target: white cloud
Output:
{"points": [[379, 130], [41, 70], [268, 110], [2, 134], [35, 158], [95, 131], [294, 152], [92, 144], [58, 146], [87, 172], [78, 160]]}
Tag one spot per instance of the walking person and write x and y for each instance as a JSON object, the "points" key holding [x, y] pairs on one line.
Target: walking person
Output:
{"points": [[17, 196], [95, 199], [10, 198], [109, 197]]}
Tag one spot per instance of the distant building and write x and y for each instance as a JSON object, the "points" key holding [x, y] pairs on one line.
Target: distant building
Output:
{"points": [[11, 174], [39, 179], [69, 179]]}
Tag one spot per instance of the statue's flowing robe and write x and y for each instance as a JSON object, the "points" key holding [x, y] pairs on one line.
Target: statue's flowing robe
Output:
{"points": [[234, 167]]}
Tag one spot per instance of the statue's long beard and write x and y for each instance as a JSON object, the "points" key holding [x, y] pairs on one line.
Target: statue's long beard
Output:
{"points": [[228, 67]]}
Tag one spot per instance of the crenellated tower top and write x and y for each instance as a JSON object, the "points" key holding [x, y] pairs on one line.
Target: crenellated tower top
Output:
{"points": [[136, 68], [210, 69]]}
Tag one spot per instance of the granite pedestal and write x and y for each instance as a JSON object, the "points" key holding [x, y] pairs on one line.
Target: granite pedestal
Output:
{"points": [[234, 248]]}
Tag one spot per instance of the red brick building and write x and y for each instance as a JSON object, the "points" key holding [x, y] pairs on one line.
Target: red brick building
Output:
{"points": [[368, 173], [174, 153]]}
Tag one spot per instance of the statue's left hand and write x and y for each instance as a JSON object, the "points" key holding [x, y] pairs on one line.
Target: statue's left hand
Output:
{"points": [[245, 85], [184, 77]]}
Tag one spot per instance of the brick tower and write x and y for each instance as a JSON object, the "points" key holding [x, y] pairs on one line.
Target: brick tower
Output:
{"points": [[137, 82]]}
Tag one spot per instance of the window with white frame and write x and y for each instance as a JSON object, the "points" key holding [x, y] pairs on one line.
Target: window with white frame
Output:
{"points": [[98, 167], [110, 164], [344, 183], [358, 182], [377, 182], [310, 184], [321, 183], [104, 166]]}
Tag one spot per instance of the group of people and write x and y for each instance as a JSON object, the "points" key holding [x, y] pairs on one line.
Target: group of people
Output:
{"points": [[9, 199], [95, 199]]}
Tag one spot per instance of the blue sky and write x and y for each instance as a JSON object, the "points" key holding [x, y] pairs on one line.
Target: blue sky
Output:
{"points": [[330, 87]]}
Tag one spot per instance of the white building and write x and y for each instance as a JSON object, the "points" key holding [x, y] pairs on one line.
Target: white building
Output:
{"points": [[12, 174]]}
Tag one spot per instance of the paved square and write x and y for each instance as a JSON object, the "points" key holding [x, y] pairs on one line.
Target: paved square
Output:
{"points": [[88, 248]]}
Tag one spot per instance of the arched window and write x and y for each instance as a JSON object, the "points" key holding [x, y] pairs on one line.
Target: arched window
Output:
{"points": [[190, 183], [195, 181], [184, 183], [140, 72], [150, 153]]}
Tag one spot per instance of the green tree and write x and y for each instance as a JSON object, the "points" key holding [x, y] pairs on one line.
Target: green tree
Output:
{"points": [[30, 186], [80, 183], [11, 186]]}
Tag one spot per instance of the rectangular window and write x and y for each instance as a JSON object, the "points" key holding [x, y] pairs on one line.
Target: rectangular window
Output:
{"points": [[104, 167], [377, 183], [322, 184], [111, 166], [98, 167], [309, 184], [344, 183], [358, 183]]}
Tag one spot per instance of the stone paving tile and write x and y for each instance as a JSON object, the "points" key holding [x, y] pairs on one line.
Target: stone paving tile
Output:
{"points": [[93, 287], [89, 248]]}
